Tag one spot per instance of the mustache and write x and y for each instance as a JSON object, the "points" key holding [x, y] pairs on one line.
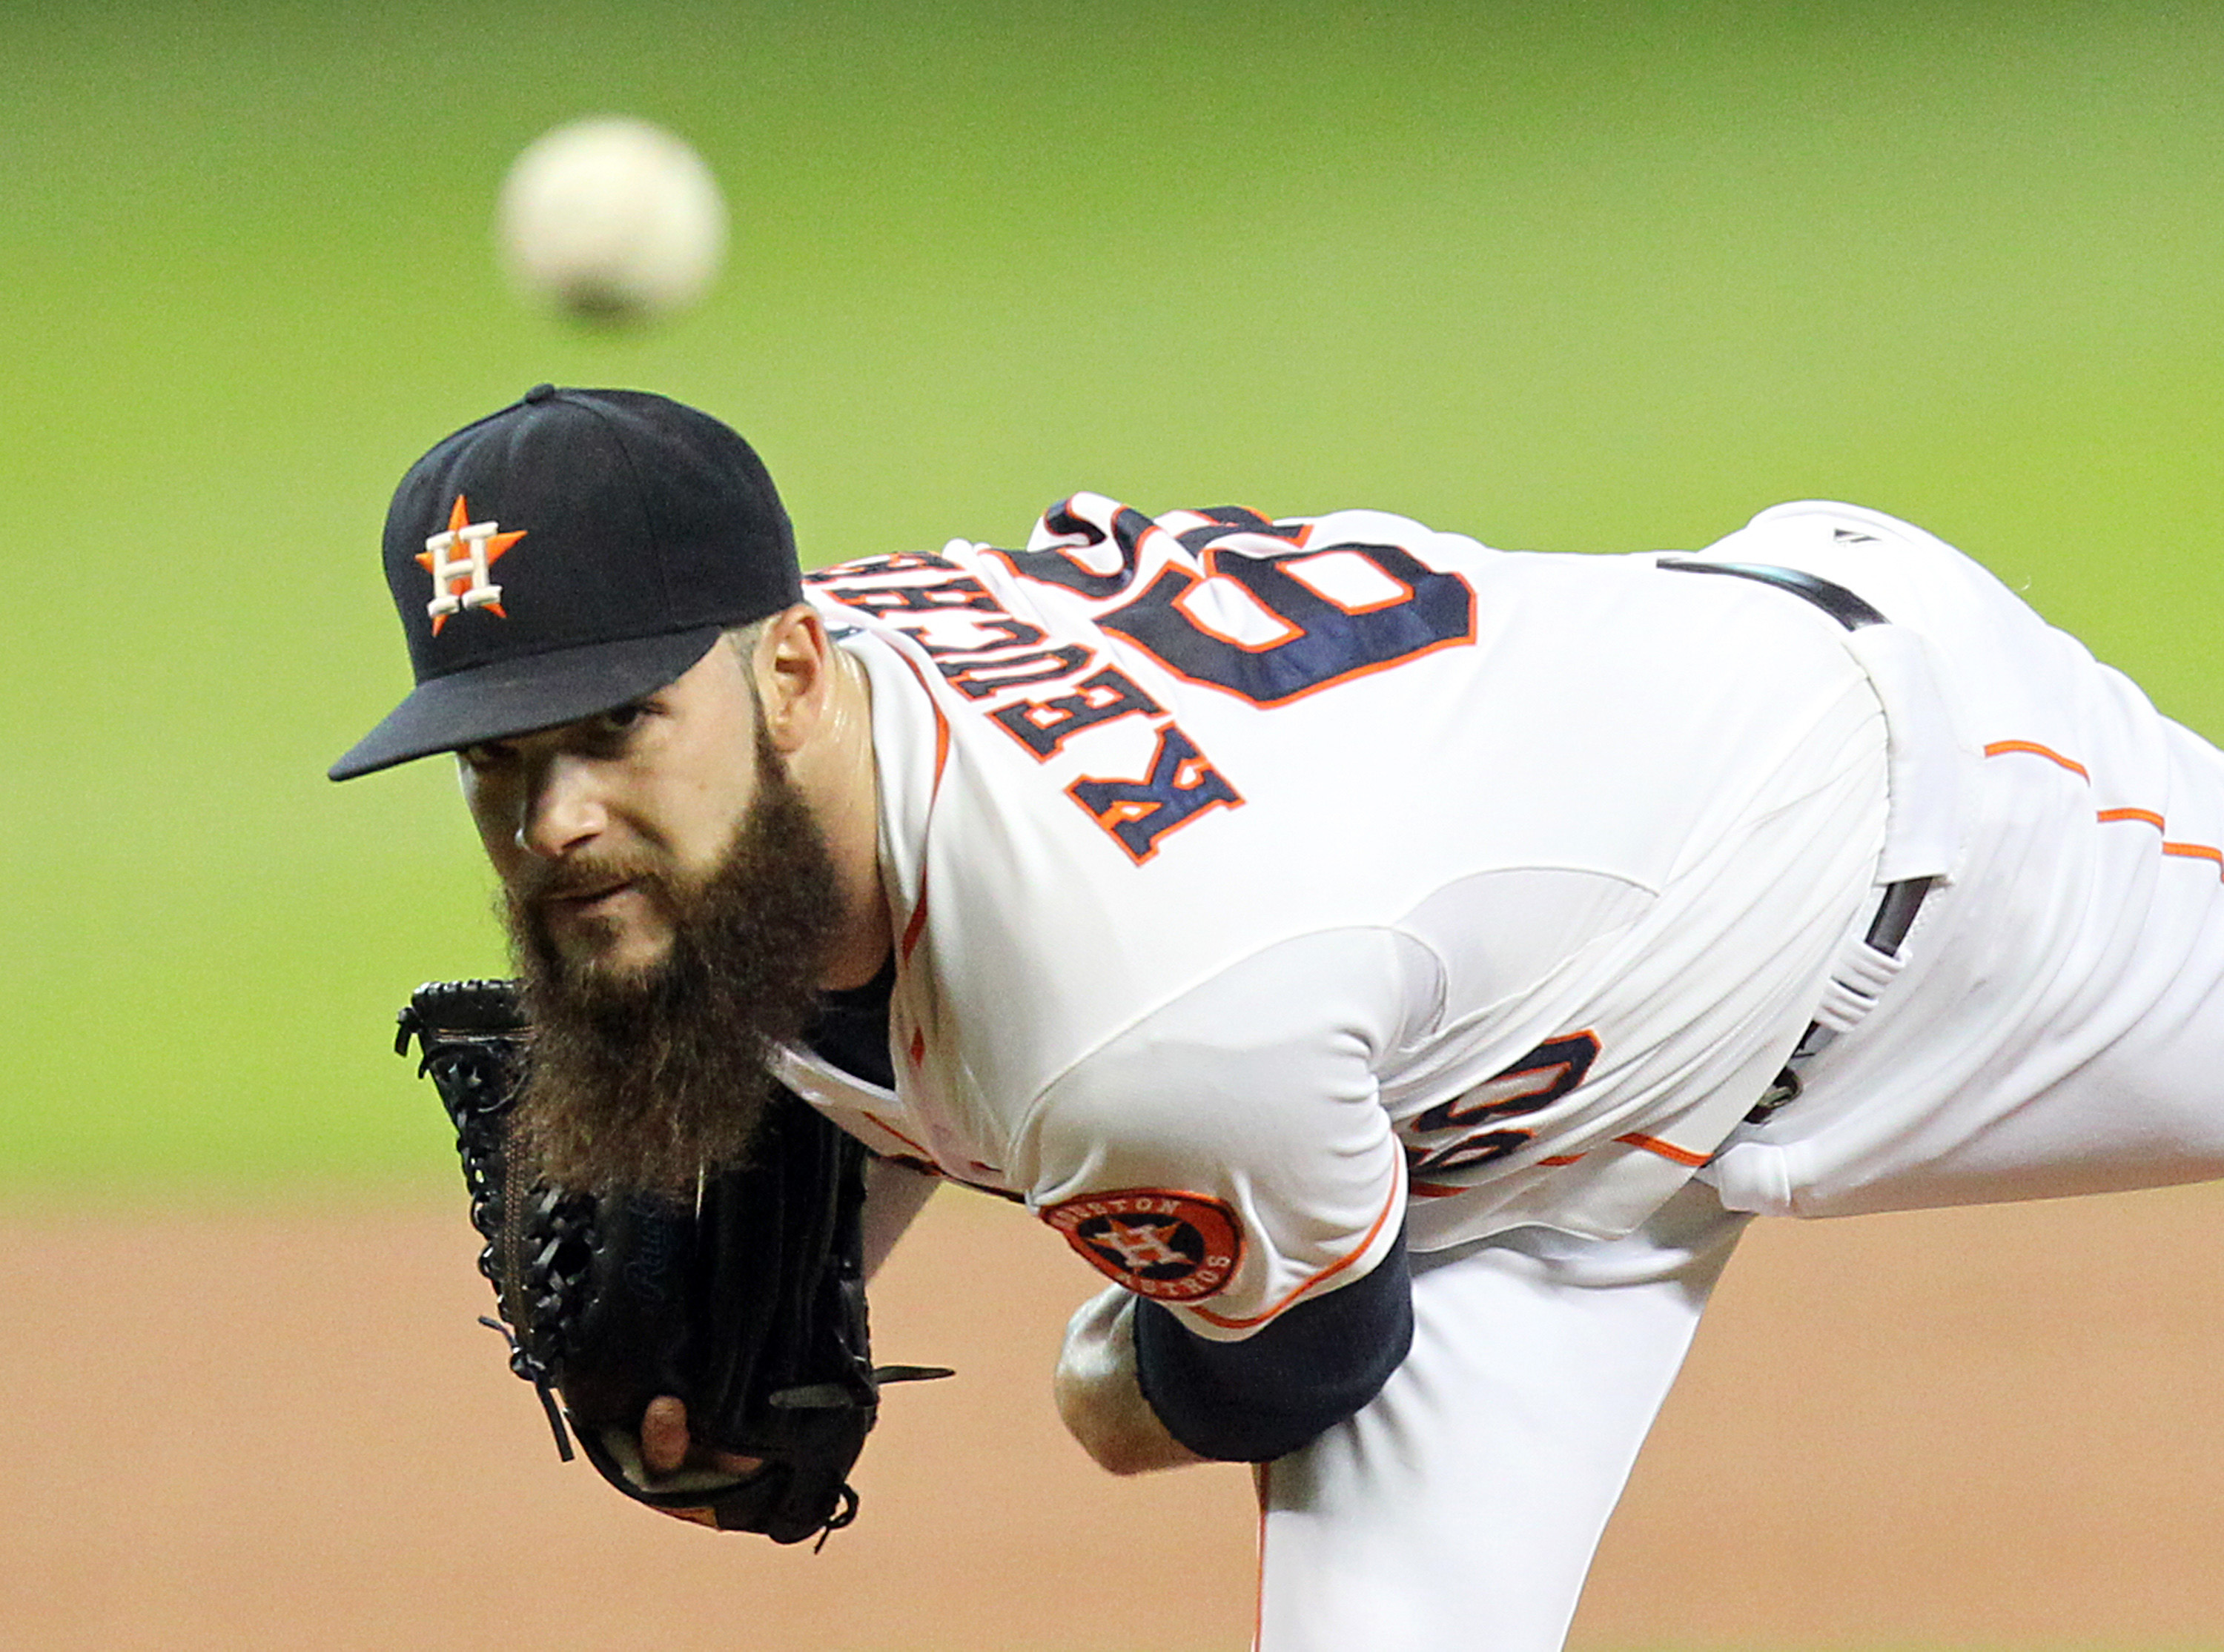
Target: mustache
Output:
{"points": [[642, 1075], [537, 883]]}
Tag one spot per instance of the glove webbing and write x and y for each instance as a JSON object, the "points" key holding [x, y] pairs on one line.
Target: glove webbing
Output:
{"points": [[475, 1034]]}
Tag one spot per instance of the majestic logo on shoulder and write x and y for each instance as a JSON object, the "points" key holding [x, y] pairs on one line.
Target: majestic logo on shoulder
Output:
{"points": [[459, 559], [1175, 1247]]}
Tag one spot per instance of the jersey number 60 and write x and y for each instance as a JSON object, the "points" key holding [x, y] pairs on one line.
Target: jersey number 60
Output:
{"points": [[1319, 614], [1325, 641]]}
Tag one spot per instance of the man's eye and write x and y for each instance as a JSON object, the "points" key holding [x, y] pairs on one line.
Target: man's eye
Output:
{"points": [[620, 719]]}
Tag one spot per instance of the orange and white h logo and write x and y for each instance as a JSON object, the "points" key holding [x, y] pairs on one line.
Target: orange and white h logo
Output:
{"points": [[459, 559], [1139, 1244]]}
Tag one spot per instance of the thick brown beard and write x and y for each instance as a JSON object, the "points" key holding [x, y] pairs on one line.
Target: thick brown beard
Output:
{"points": [[646, 1078]]}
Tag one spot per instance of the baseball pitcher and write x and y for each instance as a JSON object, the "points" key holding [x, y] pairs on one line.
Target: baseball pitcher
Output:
{"points": [[1399, 967]]}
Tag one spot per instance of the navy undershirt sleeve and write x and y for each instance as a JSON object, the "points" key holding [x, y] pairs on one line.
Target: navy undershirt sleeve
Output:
{"points": [[1306, 1370], [851, 1030]]}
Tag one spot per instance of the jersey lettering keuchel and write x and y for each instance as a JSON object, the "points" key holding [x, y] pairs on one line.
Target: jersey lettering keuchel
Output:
{"points": [[1222, 865], [1260, 615]]}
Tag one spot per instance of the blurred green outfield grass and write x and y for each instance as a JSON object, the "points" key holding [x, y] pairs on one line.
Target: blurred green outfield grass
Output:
{"points": [[1609, 278]]}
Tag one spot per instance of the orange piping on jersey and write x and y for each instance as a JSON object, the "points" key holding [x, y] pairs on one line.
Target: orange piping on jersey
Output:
{"points": [[2112, 816], [941, 734], [1557, 1161], [927, 1153], [2148, 817], [2197, 852], [917, 927], [1335, 1267], [917, 924], [1668, 1150], [2002, 747]]}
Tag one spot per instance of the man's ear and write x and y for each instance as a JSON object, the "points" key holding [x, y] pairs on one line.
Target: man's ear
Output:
{"points": [[794, 669]]}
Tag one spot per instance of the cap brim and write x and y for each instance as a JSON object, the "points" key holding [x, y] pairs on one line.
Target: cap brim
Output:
{"points": [[516, 697]]}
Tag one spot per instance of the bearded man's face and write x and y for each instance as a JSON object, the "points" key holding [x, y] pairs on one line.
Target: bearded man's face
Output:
{"points": [[672, 900]]}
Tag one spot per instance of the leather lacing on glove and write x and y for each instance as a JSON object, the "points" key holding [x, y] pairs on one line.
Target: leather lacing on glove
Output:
{"points": [[541, 1248]]}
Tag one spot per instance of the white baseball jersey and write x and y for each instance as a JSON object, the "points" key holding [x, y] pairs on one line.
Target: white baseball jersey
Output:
{"points": [[1262, 885], [2052, 1024]]}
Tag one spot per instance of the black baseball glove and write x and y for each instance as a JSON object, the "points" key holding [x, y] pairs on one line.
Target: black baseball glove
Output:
{"points": [[748, 1305]]}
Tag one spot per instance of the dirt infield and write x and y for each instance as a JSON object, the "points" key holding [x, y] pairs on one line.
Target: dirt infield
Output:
{"points": [[247, 1432]]}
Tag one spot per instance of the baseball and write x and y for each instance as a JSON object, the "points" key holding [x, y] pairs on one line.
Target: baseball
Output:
{"points": [[612, 219]]}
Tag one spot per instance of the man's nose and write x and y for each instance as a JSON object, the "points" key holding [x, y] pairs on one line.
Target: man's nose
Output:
{"points": [[561, 809]]}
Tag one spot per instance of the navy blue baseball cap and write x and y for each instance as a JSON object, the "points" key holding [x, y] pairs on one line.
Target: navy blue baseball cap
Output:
{"points": [[577, 549]]}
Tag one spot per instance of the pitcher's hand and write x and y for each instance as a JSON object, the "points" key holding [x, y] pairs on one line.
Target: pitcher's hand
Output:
{"points": [[667, 1447]]}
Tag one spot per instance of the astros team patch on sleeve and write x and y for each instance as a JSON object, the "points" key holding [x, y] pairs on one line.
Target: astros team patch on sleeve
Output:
{"points": [[1175, 1247]]}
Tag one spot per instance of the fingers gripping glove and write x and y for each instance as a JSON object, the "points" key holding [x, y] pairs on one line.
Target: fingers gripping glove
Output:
{"points": [[747, 1305]]}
